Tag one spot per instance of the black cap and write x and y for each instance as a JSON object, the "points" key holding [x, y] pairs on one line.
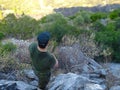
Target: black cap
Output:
{"points": [[43, 38]]}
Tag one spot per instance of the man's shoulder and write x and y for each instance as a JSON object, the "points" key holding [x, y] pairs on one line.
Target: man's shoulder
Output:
{"points": [[32, 46], [51, 57], [49, 54]]}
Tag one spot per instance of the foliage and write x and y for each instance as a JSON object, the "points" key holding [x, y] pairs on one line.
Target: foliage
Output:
{"points": [[25, 27], [78, 21], [57, 25], [114, 14], [81, 18], [8, 47], [97, 26], [1, 35], [110, 37], [53, 18], [99, 15], [7, 61], [22, 27], [86, 15]]}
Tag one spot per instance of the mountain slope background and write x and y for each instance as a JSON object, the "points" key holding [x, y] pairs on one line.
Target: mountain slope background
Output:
{"points": [[43, 7]]}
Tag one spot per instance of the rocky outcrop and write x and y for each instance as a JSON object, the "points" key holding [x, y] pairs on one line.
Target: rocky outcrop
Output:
{"points": [[114, 68], [72, 59], [15, 85], [115, 88], [82, 72], [72, 81]]}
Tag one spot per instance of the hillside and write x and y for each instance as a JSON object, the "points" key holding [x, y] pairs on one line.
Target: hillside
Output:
{"points": [[85, 38], [39, 8]]}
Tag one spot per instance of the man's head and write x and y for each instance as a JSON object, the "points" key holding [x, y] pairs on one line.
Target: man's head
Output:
{"points": [[43, 39]]}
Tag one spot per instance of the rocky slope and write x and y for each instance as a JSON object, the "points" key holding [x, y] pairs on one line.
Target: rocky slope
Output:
{"points": [[80, 73]]}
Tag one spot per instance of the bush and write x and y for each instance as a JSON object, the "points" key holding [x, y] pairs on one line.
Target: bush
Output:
{"points": [[23, 27], [99, 15], [1, 35], [110, 37], [8, 47], [86, 15], [79, 20], [97, 26], [57, 25], [53, 17], [8, 63], [114, 14]]}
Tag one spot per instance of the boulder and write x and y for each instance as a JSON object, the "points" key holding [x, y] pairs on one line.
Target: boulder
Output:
{"points": [[15, 85], [115, 88], [73, 81], [30, 74], [114, 68], [72, 59], [93, 87]]}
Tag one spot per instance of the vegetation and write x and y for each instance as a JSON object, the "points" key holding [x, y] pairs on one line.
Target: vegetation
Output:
{"points": [[25, 27], [20, 28], [7, 61], [97, 16], [114, 14], [83, 23], [109, 37]]}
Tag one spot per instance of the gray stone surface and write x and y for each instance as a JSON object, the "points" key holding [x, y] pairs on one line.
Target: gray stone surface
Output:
{"points": [[30, 74], [72, 81], [115, 88], [72, 59], [93, 87], [15, 85]]}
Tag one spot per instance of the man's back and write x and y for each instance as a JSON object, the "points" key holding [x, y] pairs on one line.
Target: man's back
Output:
{"points": [[42, 61]]}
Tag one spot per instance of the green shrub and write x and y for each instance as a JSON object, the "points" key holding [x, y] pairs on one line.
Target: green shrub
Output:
{"points": [[117, 24], [8, 47], [81, 17], [79, 20], [58, 29], [23, 27], [57, 25], [114, 14], [110, 37], [1, 35], [86, 15], [97, 26], [53, 17], [99, 15], [8, 63]]}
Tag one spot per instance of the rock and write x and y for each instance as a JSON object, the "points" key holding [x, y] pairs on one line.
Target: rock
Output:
{"points": [[114, 68], [93, 87], [72, 59], [10, 86], [34, 83], [30, 74], [115, 88], [72, 81], [8, 76], [15, 85]]}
